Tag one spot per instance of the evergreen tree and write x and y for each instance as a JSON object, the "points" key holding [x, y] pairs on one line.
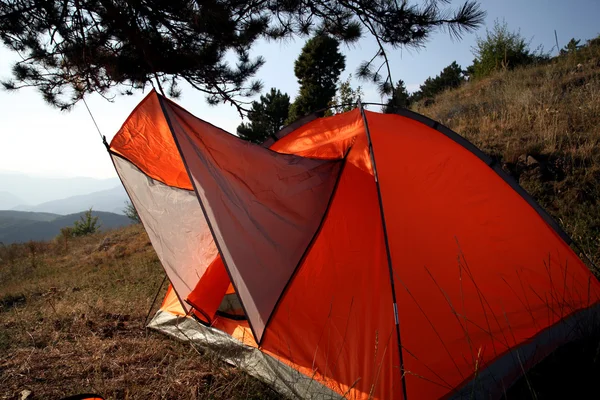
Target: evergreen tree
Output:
{"points": [[266, 117], [450, 77], [571, 47], [87, 224], [70, 48], [317, 69], [400, 98]]}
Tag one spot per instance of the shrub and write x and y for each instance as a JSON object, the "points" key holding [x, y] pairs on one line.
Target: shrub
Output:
{"points": [[502, 49]]}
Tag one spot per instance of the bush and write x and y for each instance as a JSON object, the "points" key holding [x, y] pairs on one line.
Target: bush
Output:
{"points": [[346, 98], [502, 49]]}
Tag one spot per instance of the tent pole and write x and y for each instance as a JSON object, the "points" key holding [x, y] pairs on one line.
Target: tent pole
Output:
{"points": [[387, 246], [155, 297]]}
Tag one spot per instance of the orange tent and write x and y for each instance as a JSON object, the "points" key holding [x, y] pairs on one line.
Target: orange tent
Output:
{"points": [[362, 255]]}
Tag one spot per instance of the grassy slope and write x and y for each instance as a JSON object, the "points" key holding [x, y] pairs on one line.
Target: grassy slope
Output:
{"points": [[543, 124], [72, 321]]}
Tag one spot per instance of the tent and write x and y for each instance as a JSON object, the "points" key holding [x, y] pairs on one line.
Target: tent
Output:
{"points": [[361, 255]]}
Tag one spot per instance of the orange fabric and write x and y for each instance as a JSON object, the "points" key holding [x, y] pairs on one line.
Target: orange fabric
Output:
{"points": [[146, 140], [327, 138], [330, 138], [230, 289], [476, 268], [171, 303], [336, 319], [209, 291], [239, 330]]}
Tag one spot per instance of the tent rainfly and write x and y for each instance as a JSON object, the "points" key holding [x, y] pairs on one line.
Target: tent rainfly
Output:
{"points": [[361, 255]]}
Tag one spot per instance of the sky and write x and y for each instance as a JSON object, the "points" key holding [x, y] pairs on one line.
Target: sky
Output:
{"points": [[39, 140]]}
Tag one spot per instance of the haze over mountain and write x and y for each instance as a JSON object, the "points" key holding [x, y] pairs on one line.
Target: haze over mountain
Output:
{"points": [[110, 200], [9, 200], [33, 190]]}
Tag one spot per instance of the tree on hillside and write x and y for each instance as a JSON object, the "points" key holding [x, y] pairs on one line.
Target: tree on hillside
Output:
{"points": [[450, 77], [70, 48], [346, 97], [87, 224], [501, 49], [317, 68], [400, 98], [266, 117]]}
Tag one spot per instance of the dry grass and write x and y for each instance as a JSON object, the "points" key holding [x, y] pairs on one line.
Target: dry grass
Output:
{"points": [[72, 321], [543, 124]]}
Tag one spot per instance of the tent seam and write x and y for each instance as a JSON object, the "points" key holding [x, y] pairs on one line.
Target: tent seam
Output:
{"points": [[387, 248]]}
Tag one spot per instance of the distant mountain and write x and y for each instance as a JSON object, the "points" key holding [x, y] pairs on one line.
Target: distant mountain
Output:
{"points": [[36, 190], [21, 226], [8, 215], [111, 200], [9, 200]]}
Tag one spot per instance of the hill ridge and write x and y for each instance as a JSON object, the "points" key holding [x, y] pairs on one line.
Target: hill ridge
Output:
{"points": [[23, 226]]}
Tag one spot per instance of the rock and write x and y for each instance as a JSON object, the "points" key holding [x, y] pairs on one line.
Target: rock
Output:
{"points": [[105, 244], [25, 394], [531, 161]]}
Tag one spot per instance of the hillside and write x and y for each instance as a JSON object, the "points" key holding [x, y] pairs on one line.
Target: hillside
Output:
{"points": [[21, 226], [543, 125], [6, 216], [109, 200]]}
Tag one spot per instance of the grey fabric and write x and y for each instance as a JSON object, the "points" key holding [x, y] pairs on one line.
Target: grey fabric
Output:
{"points": [[493, 381], [264, 207], [175, 224], [283, 378]]}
